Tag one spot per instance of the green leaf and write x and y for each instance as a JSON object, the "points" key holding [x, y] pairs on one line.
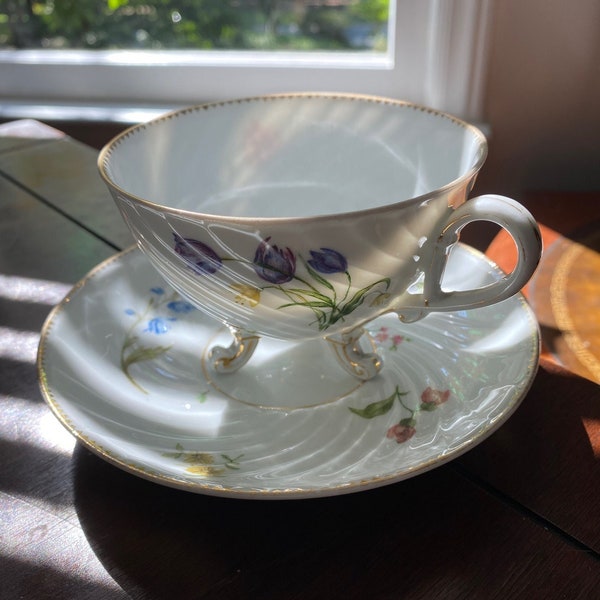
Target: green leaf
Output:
{"points": [[359, 296], [129, 341], [375, 409], [306, 304], [321, 318], [310, 293], [232, 463], [142, 354], [318, 277], [353, 303], [176, 455], [408, 422], [428, 406]]}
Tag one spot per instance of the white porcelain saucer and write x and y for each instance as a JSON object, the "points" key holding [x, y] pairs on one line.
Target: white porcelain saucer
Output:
{"points": [[121, 366]]}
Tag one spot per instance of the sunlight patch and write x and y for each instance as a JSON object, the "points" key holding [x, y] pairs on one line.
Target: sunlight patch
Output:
{"points": [[17, 345], [26, 289]]}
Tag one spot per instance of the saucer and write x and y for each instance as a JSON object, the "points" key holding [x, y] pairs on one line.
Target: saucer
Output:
{"points": [[122, 365]]}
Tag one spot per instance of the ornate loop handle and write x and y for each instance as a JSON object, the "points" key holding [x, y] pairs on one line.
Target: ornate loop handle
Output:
{"points": [[512, 217]]}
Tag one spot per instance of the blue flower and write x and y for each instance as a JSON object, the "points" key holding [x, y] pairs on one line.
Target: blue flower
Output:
{"points": [[200, 257], [129, 311], [157, 290], [180, 306], [158, 325], [273, 264], [328, 261]]}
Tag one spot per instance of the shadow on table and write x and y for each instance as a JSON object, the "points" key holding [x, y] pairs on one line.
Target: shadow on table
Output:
{"points": [[547, 456], [158, 542], [430, 536]]}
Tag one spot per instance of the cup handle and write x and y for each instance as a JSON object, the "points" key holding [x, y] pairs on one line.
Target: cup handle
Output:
{"points": [[512, 217]]}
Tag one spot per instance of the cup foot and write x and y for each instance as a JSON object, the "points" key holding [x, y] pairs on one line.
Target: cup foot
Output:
{"points": [[282, 375], [353, 355], [228, 359], [350, 350]]}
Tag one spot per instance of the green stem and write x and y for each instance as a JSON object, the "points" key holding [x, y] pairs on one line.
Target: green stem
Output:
{"points": [[399, 395], [348, 286], [130, 339]]}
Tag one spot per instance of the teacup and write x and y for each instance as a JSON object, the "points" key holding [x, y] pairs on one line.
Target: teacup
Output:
{"points": [[308, 215]]}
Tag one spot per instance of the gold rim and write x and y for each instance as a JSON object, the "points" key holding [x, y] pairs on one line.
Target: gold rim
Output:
{"points": [[212, 488], [105, 154], [562, 314]]}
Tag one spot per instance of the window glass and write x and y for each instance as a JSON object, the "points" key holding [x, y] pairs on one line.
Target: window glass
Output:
{"points": [[107, 58], [298, 25]]}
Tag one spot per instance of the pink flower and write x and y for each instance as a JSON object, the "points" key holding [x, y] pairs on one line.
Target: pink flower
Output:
{"points": [[382, 334], [397, 339], [434, 397], [401, 433]]}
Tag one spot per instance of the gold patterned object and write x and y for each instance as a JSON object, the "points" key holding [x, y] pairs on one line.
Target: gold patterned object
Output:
{"points": [[565, 294], [117, 366]]}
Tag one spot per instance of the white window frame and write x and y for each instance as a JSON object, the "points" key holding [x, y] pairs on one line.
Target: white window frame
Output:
{"points": [[436, 57]]}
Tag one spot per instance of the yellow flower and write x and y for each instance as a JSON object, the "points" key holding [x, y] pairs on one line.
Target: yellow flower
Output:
{"points": [[247, 295], [205, 470], [201, 463], [202, 458]]}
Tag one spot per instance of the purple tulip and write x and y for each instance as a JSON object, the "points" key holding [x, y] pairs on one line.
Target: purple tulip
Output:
{"points": [[328, 261], [200, 257], [273, 264]]}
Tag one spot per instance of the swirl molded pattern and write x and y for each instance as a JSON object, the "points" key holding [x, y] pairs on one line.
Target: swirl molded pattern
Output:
{"points": [[120, 366]]}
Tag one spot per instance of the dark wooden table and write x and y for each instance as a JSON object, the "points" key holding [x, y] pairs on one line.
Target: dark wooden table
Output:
{"points": [[516, 517]]}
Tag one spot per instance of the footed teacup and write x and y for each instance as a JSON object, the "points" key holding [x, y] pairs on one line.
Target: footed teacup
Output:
{"points": [[308, 215]]}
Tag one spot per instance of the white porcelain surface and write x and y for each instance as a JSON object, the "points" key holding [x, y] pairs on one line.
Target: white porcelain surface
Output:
{"points": [[120, 365], [301, 215], [452, 380], [297, 155]]}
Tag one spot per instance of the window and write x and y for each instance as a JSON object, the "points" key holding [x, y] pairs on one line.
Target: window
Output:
{"points": [[300, 25], [429, 51]]}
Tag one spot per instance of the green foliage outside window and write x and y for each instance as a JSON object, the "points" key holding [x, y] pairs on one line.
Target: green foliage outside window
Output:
{"points": [[195, 24]]}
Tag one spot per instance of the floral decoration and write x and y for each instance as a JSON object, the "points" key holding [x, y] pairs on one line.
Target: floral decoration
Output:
{"points": [[430, 398], [328, 261], [384, 336], [302, 281], [156, 324], [273, 264], [405, 428], [200, 257], [401, 432], [205, 464], [246, 295]]}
